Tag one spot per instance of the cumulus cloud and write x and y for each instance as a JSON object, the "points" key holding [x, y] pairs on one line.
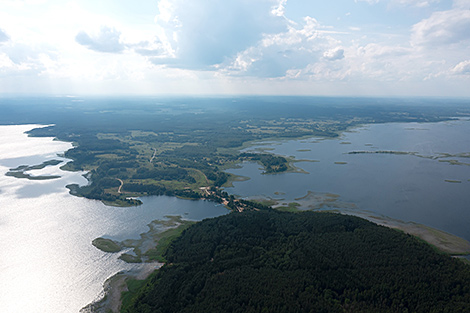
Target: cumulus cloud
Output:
{"points": [[204, 33], [463, 68], [110, 40], [20, 59], [442, 28], [334, 54], [106, 40], [149, 49], [284, 53], [3, 36], [270, 61], [279, 10]]}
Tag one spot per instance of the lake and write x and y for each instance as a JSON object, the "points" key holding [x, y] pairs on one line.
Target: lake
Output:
{"points": [[47, 261], [424, 188]]}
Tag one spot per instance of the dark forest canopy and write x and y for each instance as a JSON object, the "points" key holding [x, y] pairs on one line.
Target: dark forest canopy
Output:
{"points": [[271, 261]]}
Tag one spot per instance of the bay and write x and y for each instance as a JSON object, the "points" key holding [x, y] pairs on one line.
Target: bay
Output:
{"points": [[47, 261], [415, 183]]}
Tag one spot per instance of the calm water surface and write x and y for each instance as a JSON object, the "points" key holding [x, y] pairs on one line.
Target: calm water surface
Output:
{"points": [[47, 262], [404, 187]]}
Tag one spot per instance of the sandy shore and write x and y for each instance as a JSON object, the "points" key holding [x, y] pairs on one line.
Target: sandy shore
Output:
{"points": [[116, 285], [443, 241]]}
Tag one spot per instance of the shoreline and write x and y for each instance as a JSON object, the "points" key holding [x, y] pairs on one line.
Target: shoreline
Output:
{"points": [[147, 252], [110, 298], [441, 240], [327, 202]]}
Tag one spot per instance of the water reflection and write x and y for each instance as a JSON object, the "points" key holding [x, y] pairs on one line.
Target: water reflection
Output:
{"points": [[47, 262]]}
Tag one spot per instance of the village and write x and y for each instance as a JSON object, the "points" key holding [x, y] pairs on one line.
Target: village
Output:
{"points": [[236, 205]]}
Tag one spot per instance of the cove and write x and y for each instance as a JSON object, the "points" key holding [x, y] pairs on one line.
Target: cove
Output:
{"points": [[414, 172]]}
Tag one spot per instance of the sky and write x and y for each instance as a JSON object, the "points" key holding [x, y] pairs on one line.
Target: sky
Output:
{"points": [[235, 47]]}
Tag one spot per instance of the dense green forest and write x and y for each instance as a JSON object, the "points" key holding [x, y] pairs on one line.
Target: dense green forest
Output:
{"points": [[270, 261]]}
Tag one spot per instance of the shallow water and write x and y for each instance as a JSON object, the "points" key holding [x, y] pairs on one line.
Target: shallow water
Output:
{"points": [[47, 261], [405, 187]]}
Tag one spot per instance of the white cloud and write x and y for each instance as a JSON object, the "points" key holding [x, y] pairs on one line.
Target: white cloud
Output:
{"points": [[371, 64], [106, 40], [218, 46], [463, 68], [281, 54], [334, 54], [442, 28], [280, 8], [22, 59], [8, 68], [43, 46], [199, 34]]}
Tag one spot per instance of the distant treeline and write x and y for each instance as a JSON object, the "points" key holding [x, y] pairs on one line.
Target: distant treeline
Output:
{"points": [[269, 261]]}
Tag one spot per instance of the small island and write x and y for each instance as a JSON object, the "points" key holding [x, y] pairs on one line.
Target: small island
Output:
{"points": [[107, 245], [20, 171], [453, 181], [383, 152]]}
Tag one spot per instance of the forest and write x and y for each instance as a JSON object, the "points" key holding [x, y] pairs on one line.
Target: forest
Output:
{"points": [[271, 261]]}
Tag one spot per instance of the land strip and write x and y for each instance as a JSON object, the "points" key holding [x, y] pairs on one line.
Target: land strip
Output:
{"points": [[328, 202]]}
